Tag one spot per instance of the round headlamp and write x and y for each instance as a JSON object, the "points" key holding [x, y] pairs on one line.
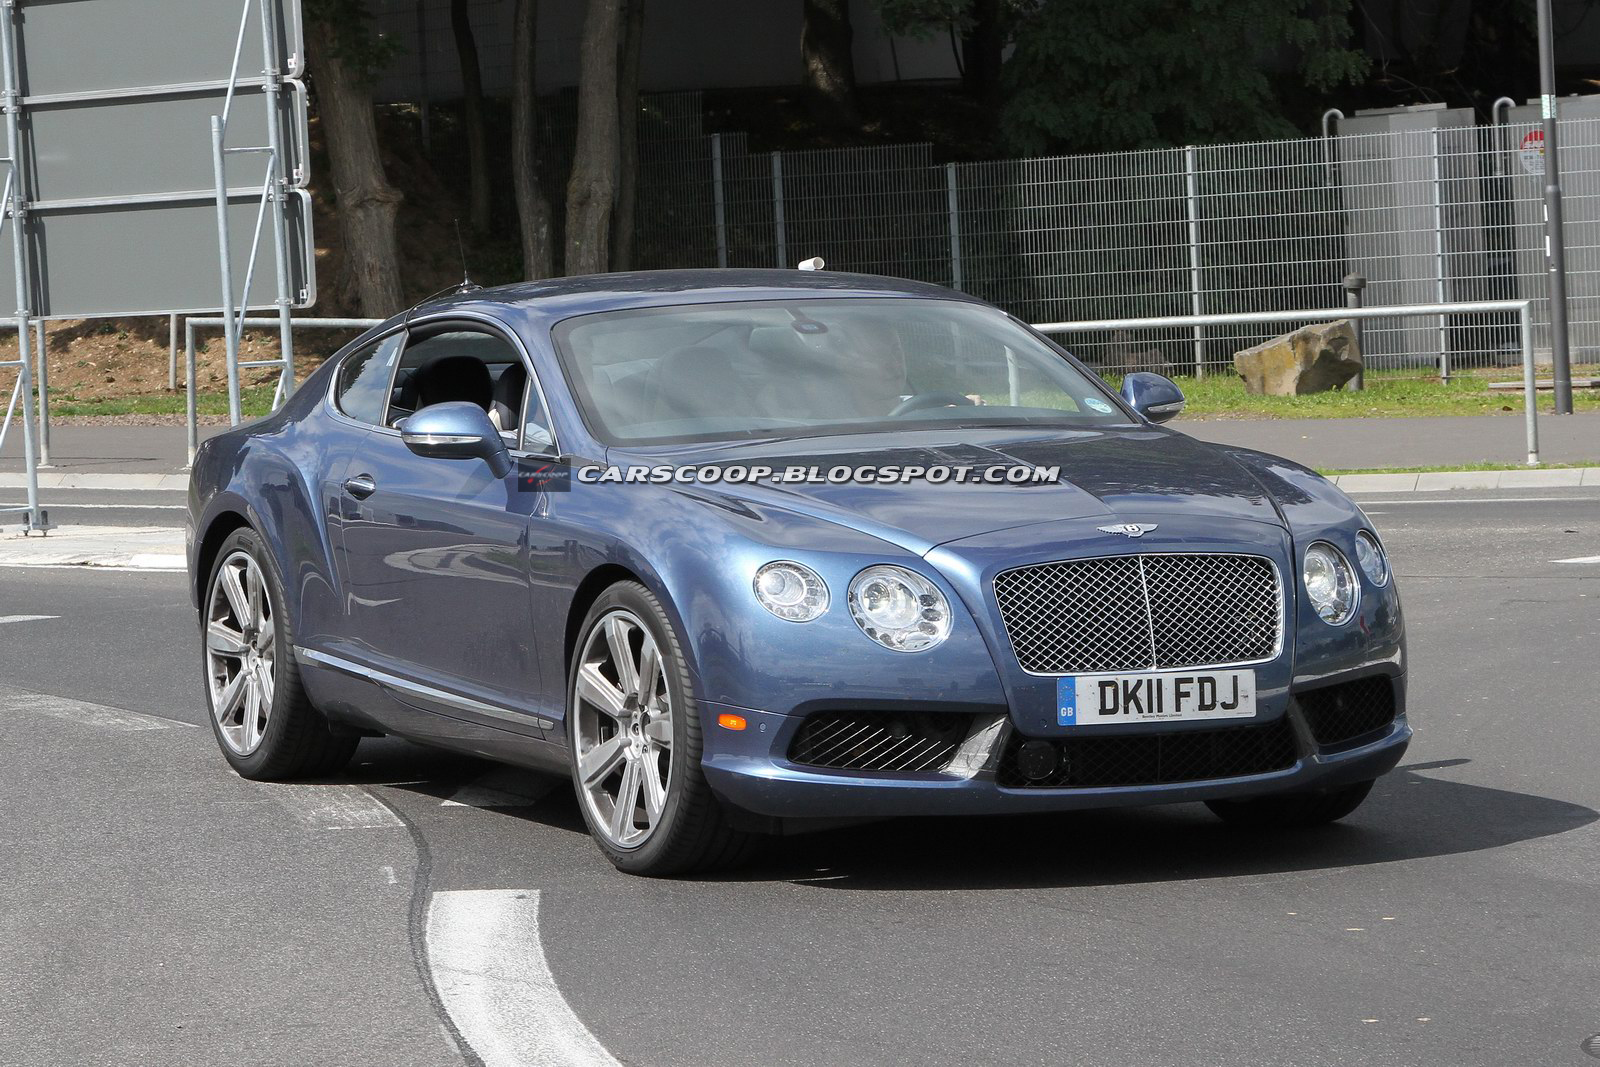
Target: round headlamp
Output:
{"points": [[791, 591], [899, 608], [1369, 554], [1330, 583]]}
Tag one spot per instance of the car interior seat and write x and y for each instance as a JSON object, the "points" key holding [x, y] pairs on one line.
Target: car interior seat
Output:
{"points": [[505, 405], [453, 378], [699, 382]]}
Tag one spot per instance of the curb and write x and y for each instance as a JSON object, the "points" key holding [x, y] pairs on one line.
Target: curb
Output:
{"points": [[1445, 481]]}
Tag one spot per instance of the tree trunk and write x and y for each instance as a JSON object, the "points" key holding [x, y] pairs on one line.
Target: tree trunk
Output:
{"points": [[533, 210], [472, 115], [830, 72], [592, 188], [365, 202], [627, 135], [982, 52]]}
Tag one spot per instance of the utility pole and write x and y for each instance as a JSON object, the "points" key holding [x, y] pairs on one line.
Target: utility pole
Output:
{"points": [[1555, 250]]}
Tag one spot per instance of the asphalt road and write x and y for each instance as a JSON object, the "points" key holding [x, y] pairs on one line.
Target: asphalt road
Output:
{"points": [[158, 910]]}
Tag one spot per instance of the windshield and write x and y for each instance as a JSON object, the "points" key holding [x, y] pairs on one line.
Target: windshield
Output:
{"points": [[795, 368]]}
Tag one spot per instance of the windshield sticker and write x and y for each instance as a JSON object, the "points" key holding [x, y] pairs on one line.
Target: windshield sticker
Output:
{"points": [[1094, 403]]}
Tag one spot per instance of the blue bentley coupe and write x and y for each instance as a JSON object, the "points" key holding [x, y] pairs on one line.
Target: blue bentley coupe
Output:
{"points": [[747, 551]]}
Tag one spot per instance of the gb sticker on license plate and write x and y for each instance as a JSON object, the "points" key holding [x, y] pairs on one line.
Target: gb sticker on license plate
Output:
{"points": [[1155, 696]]}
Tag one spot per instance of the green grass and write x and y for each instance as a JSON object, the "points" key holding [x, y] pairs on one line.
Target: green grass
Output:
{"points": [[1223, 396], [1451, 468], [253, 401]]}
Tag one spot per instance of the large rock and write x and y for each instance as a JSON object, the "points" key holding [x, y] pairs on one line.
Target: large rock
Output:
{"points": [[1312, 359]]}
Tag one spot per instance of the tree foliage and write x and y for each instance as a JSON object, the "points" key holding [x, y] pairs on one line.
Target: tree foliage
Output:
{"points": [[351, 39], [1089, 75]]}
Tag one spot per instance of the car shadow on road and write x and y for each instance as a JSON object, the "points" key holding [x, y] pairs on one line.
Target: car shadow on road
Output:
{"points": [[1410, 815]]}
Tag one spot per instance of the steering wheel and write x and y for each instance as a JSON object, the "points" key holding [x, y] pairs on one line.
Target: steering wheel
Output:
{"points": [[930, 400]]}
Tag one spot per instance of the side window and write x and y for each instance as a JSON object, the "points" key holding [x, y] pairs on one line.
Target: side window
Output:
{"points": [[364, 379], [454, 364]]}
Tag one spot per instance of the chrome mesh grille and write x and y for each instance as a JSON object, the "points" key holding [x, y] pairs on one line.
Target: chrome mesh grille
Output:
{"points": [[1140, 613]]}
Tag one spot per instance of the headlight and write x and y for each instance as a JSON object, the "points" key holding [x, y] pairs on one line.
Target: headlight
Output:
{"points": [[791, 591], [1330, 583], [1370, 555], [899, 609]]}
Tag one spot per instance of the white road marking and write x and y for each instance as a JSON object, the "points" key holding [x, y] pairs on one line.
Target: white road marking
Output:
{"points": [[334, 807], [489, 967], [26, 618], [79, 711], [503, 787], [1574, 559]]}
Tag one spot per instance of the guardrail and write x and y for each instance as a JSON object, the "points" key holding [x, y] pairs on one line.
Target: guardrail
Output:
{"points": [[1522, 308]]}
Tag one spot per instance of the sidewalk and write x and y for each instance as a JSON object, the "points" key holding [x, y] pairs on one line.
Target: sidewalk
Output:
{"points": [[1339, 444], [118, 547]]}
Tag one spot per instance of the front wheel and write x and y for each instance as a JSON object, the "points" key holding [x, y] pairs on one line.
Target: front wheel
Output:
{"points": [[633, 731], [264, 723], [1292, 809]]}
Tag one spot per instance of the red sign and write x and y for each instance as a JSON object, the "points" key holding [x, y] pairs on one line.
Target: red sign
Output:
{"points": [[1531, 154]]}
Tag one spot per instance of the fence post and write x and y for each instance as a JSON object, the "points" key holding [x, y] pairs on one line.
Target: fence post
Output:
{"points": [[189, 390], [1192, 183], [717, 199], [1438, 259], [1353, 284], [1530, 393], [172, 353], [777, 210], [42, 380], [955, 225]]}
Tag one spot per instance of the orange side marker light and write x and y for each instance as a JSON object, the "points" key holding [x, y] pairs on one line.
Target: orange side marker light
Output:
{"points": [[731, 722]]}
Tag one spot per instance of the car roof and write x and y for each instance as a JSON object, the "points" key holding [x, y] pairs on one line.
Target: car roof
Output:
{"points": [[559, 298]]}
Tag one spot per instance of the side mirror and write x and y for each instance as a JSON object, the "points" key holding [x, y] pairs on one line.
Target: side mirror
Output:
{"points": [[456, 429], [1153, 396]]}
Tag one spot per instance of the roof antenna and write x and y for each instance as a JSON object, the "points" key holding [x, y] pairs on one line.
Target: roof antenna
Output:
{"points": [[467, 284]]}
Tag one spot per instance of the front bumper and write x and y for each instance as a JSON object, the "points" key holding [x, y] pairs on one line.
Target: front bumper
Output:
{"points": [[750, 771]]}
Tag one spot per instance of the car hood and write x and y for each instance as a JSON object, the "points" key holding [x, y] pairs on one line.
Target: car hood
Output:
{"points": [[1136, 474]]}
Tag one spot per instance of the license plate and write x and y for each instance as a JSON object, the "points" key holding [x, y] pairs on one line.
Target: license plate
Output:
{"points": [[1155, 696]]}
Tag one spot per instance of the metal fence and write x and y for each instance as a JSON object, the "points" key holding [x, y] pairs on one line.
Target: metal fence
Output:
{"points": [[1442, 215]]}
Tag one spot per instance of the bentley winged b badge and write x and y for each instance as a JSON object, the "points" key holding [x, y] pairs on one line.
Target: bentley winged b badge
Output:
{"points": [[1128, 529]]}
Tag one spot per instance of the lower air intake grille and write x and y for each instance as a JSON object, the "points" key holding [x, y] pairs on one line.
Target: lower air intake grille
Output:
{"points": [[1344, 712], [1153, 759], [879, 740]]}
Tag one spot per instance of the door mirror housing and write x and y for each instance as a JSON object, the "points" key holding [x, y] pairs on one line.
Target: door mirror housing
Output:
{"points": [[456, 429], [1155, 397]]}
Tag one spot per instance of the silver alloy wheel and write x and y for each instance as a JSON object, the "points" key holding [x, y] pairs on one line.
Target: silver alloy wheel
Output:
{"points": [[622, 729], [241, 652]]}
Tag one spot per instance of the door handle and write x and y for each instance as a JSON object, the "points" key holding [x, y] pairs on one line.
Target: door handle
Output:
{"points": [[361, 486]]}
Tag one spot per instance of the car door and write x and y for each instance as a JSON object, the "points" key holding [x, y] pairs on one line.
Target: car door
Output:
{"points": [[436, 556]]}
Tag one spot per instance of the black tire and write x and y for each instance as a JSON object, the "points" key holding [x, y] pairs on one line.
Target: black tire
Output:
{"points": [[1291, 809], [297, 741], [693, 832]]}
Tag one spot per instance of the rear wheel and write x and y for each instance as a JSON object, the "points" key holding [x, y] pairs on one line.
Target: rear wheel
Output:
{"points": [[1292, 809], [633, 729], [264, 723]]}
